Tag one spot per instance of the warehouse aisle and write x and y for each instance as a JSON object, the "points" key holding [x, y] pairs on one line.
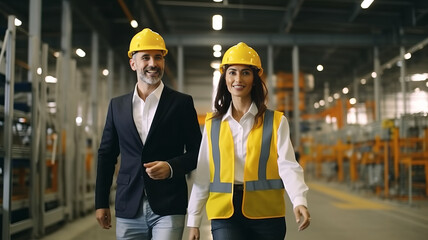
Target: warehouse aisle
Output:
{"points": [[337, 214]]}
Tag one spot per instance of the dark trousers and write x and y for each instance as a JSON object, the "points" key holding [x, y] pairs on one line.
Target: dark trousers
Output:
{"points": [[238, 227]]}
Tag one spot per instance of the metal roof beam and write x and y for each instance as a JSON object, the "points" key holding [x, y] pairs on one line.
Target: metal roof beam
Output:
{"points": [[284, 39]]}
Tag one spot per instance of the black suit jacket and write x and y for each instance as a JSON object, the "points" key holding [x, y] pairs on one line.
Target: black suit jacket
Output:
{"points": [[174, 136]]}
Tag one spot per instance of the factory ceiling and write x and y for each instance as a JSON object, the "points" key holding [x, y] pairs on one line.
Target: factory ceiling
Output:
{"points": [[338, 34]]}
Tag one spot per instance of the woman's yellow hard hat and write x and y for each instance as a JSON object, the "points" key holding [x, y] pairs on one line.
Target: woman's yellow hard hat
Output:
{"points": [[241, 53]]}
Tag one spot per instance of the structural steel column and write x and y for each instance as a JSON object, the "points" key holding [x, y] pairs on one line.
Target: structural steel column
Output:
{"points": [[110, 77], [180, 68], [296, 110], [377, 80], [356, 95], [94, 95], [63, 109], [326, 93], [10, 38], [35, 17], [402, 78], [38, 221]]}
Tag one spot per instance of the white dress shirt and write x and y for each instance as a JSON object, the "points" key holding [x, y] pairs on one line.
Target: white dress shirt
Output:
{"points": [[144, 111], [290, 171]]}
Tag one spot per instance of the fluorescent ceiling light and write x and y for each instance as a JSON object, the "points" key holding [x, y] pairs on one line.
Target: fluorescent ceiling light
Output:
{"points": [[50, 79], [217, 54], [366, 4], [217, 48], [80, 52], [418, 77], [215, 64], [217, 22]]}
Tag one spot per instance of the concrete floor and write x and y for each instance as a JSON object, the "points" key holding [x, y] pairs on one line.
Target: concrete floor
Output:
{"points": [[337, 214]]}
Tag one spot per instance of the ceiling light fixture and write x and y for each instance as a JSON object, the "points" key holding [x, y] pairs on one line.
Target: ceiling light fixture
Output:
{"points": [[50, 79], [18, 22], [217, 48], [336, 96], [345, 90], [316, 105], [215, 64], [217, 22], [134, 23], [366, 4], [418, 77], [80, 52], [407, 56], [105, 72], [217, 54]]}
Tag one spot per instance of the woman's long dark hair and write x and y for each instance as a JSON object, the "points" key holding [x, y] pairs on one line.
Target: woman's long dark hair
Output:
{"points": [[258, 95]]}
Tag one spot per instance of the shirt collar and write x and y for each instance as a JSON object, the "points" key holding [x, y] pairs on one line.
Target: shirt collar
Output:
{"points": [[156, 93], [252, 111]]}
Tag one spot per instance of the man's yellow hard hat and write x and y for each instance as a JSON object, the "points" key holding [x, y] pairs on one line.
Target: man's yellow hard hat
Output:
{"points": [[147, 40]]}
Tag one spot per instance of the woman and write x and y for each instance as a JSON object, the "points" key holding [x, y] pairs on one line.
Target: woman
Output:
{"points": [[245, 159]]}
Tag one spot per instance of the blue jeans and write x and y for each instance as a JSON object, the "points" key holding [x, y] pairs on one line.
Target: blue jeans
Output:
{"points": [[148, 225]]}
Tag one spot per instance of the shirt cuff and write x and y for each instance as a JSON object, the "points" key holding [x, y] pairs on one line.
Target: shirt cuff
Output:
{"points": [[194, 220], [170, 168], [300, 201]]}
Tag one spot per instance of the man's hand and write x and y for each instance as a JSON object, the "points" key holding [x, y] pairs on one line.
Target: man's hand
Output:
{"points": [[158, 170], [302, 212], [103, 217]]}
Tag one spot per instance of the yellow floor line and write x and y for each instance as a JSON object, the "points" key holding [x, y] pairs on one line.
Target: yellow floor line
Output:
{"points": [[348, 201]]}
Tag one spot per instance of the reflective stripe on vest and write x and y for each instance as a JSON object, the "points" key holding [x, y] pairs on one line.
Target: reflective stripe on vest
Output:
{"points": [[216, 185], [262, 183]]}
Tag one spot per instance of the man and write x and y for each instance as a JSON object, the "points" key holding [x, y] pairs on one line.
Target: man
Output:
{"points": [[156, 132]]}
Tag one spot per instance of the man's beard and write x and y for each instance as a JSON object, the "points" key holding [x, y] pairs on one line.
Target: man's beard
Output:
{"points": [[151, 80]]}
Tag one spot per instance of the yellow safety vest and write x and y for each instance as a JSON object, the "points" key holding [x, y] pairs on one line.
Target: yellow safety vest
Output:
{"points": [[263, 189]]}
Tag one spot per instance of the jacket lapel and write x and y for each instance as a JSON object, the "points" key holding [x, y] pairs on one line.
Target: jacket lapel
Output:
{"points": [[130, 116], [160, 111]]}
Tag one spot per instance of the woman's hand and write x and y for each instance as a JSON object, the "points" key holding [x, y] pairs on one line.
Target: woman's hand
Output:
{"points": [[193, 233], [302, 212]]}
